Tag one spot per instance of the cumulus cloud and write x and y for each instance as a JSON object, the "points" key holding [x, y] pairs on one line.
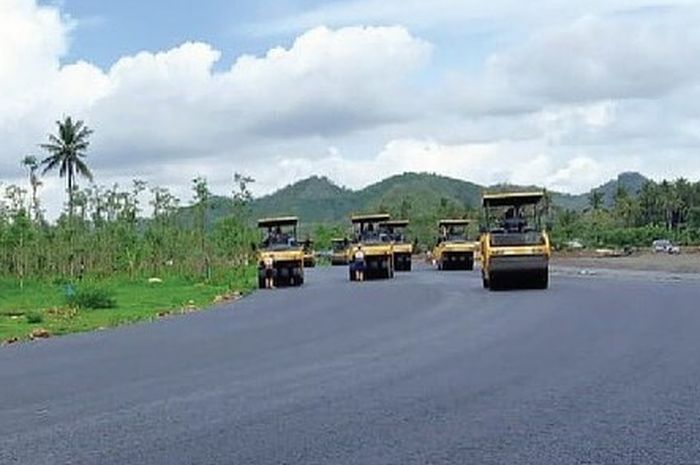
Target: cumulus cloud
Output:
{"points": [[566, 98], [533, 162], [476, 14], [614, 57], [173, 105]]}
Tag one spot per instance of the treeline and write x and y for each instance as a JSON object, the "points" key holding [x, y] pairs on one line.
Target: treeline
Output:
{"points": [[140, 230], [103, 231], [665, 210]]}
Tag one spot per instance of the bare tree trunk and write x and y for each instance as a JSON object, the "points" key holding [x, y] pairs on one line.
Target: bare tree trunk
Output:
{"points": [[71, 256]]}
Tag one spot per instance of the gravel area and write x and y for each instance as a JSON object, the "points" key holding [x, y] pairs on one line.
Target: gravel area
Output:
{"points": [[687, 262]]}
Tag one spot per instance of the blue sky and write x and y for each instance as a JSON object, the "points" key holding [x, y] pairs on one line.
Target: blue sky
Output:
{"points": [[108, 30], [550, 92]]}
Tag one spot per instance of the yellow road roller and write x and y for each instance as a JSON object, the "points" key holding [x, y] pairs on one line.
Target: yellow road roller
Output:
{"points": [[515, 249], [309, 253], [403, 248], [376, 247], [454, 251], [280, 244], [339, 251]]}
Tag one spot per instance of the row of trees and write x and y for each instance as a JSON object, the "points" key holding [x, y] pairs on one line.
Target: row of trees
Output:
{"points": [[669, 209], [141, 230], [135, 231]]}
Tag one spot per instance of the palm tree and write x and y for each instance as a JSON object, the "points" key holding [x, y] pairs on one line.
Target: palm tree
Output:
{"points": [[67, 151], [649, 202], [595, 200], [624, 206], [672, 203]]}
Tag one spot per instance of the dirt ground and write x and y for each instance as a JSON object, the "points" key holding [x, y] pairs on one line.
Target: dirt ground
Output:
{"points": [[687, 262]]}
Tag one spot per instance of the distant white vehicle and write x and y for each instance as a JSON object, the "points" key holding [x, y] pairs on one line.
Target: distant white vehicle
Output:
{"points": [[574, 244], [665, 246]]}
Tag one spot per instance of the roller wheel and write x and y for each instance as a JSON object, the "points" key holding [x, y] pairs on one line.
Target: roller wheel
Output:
{"points": [[494, 283]]}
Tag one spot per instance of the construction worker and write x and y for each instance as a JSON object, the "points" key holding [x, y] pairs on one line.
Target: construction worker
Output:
{"points": [[359, 264], [268, 264]]}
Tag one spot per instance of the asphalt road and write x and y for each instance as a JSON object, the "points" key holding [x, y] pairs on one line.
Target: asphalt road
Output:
{"points": [[427, 369]]}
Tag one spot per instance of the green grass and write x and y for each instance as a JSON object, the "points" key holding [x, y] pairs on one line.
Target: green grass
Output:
{"points": [[136, 300]]}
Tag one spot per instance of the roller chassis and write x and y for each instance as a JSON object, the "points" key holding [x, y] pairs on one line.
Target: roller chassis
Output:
{"points": [[403, 254], [450, 256], [286, 273], [517, 272], [379, 262]]}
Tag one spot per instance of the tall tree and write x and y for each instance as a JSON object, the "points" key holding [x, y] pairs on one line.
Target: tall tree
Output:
{"points": [[31, 163], [671, 202], [649, 203], [595, 200], [67, 152], [625, 206], [202, 203], [242, 195]]}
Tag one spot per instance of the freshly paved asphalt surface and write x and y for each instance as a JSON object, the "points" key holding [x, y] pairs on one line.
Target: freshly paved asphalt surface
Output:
{"points": [[427, 369]]}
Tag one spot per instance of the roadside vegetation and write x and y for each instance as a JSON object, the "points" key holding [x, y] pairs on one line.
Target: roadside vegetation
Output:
{"points": [[665, 210], [115, 254], [623, 218], [118, 254]]}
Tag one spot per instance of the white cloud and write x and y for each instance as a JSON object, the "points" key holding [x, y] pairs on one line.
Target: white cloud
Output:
{"points": [[173, 105], [577, 94], [475, 14], [616, 57], [33, 39], [525, 163]]}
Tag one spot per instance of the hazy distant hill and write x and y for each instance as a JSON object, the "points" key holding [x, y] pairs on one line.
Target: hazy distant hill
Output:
{"points": [[632, 182], [319, 200], [315, 199]]}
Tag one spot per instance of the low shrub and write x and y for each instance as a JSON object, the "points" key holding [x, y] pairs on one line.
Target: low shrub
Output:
{"points": [[91, 298], [34, 317]]}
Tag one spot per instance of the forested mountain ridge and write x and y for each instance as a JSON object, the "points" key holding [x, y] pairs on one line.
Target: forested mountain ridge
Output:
{"points": [[318, 199]]}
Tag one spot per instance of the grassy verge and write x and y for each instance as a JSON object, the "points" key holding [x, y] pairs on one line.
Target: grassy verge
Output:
{"points": [[41, 307]]}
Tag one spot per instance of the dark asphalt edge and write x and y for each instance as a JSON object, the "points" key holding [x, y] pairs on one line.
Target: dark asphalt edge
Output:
{"points": [[568, 271]]}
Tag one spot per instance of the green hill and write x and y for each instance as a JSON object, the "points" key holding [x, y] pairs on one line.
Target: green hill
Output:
{"points": [[422, 197], [317, 199], [314, 200], [631, 182]]}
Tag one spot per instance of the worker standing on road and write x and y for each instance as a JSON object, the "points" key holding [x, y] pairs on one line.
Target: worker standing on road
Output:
{"points": [[268, 264], [359, 264]]}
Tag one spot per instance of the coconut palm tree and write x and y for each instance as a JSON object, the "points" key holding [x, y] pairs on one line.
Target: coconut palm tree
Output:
{"points": [[596, 199], [67, 152]]}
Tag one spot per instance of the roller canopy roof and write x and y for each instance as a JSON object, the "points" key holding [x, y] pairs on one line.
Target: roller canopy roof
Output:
{"points": [[454, 222], [281, 221], [396, 223], [380, 217], [512, 199]]}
